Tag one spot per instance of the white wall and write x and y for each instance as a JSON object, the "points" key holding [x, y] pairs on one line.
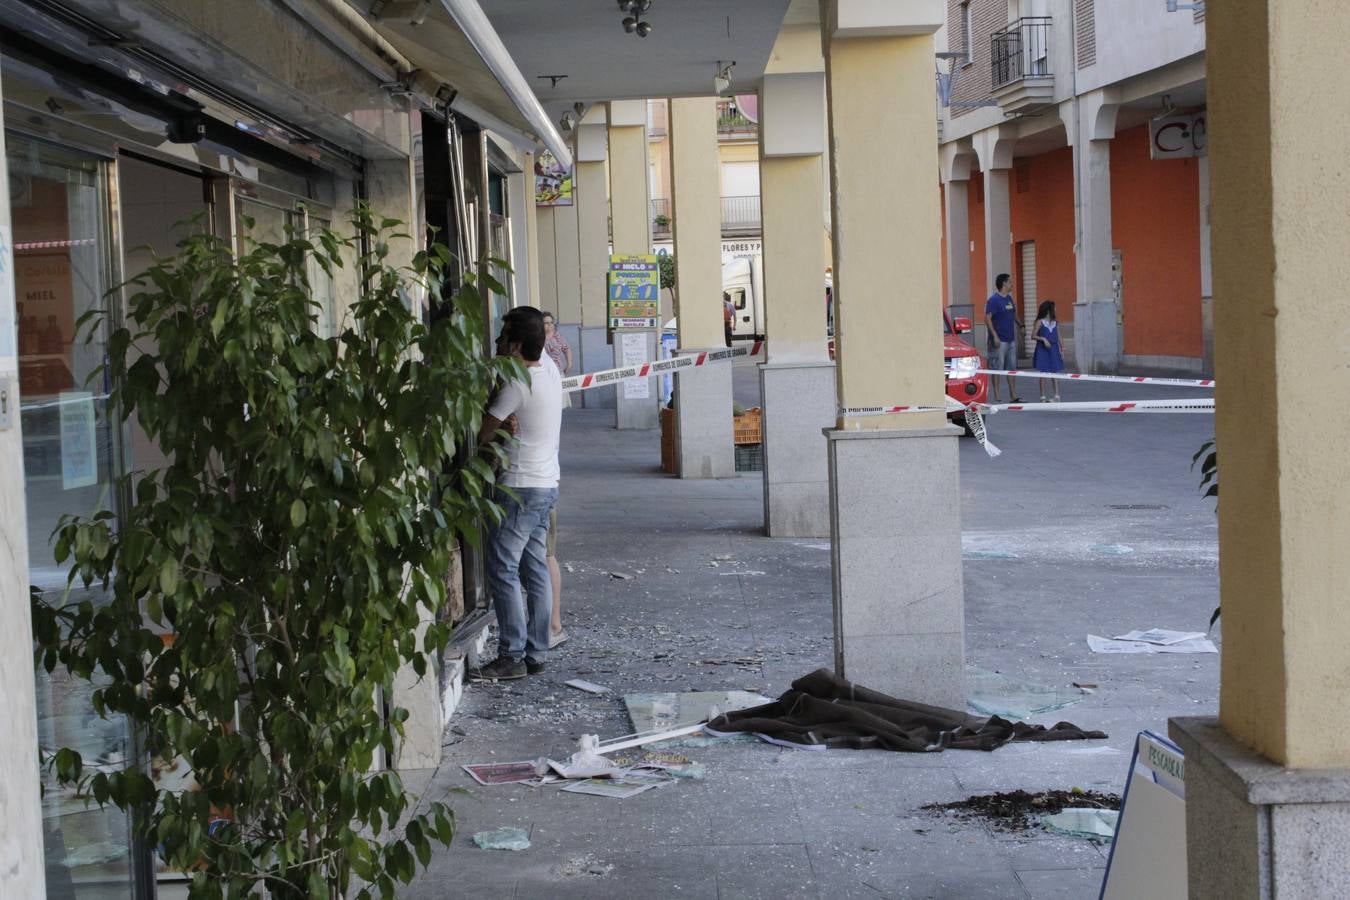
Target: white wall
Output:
{"points": [[1137, 36]]}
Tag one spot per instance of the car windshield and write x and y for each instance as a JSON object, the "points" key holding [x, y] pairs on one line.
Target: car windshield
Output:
{"points": [[947, 324]]}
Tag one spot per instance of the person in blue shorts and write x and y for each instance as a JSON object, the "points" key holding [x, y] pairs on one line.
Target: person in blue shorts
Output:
{"points": [[1000, 317], [1048, 356]]}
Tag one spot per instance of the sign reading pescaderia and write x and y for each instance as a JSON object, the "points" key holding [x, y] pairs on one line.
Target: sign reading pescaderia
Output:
{"points": [[634, 291]]}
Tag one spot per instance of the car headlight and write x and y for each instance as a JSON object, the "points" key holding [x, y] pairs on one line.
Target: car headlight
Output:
{"points": [[963, 366]]}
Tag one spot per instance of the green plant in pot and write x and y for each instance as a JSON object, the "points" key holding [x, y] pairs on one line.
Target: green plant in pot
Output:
{"points": [[262, 589]]}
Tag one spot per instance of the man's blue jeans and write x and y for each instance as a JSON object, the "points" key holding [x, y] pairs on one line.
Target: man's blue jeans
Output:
{"points": [[516, 558]]}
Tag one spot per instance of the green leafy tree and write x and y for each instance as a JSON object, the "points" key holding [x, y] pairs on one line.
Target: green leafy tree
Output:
{"points": [[666, 264], [263, 588]]}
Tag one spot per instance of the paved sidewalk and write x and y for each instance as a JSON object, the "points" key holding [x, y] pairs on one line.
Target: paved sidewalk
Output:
{"points": [[1086, 523]]}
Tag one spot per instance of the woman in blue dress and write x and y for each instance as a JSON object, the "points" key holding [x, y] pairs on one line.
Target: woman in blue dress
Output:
{"points": [[1048, 357]]}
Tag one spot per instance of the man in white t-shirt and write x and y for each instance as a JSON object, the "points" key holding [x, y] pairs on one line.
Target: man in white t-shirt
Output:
{"points": [[527, 489]]}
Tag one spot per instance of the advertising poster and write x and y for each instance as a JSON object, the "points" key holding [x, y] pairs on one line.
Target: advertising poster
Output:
{"points": [[552, 182], [634, 291]]}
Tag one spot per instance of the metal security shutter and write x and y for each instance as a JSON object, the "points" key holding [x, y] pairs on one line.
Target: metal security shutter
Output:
{"points": [[1026, 251]]}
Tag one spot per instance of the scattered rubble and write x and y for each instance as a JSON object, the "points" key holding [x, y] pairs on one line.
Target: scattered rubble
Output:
{"points": [[1020, 810]]}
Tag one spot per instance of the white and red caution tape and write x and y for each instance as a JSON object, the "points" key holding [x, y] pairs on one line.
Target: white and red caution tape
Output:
{"points": [[1112, 379], [1192, 405], [643, 370]]}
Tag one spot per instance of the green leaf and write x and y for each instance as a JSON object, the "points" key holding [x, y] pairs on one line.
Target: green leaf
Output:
{"points": [[168, 576], [298, 513]]}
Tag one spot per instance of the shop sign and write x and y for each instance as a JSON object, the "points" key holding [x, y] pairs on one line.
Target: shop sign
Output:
{"points": [[634, 291], [1178, 137]]}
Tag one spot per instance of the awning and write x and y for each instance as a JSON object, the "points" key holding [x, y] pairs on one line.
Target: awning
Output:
{"points": [[453, 41]]}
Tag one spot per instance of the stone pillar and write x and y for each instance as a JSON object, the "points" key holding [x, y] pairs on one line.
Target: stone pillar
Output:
{"points": [[1206, 273], [636, 403], [591, 348], [21, 860], [994, 147], [703, 426], [529, 214], [955, 172], [1090, 122], [896, 535], [1268, 783], [797, 378], [391, 193]]}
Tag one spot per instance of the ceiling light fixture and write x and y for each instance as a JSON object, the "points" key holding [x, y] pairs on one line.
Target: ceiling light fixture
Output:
{"points": [[633, 23], [722, 80]]}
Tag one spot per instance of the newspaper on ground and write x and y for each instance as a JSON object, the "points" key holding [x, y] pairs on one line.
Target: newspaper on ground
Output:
{"points": [[489, 774], [1100, 644], [589, 687], [1160, 636]]}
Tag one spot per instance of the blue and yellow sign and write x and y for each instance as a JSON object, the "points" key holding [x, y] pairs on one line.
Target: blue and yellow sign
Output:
{"points": [[634, 291]]}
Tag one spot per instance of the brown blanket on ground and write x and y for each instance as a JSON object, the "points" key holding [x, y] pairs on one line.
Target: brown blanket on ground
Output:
{"points": [[822, 708]]}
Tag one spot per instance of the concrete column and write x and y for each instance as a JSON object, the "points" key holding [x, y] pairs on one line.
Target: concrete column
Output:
{"points": [[21, 860], [1090, 122], [637, 403], [955, 160], [592, 348], [797, 378], [1268, 784], [1206, 273], [703, 426], [896, 536], [390, 191], [994, 147], [529, 214]]}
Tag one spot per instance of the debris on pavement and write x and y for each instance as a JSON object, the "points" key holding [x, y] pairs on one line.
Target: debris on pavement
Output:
{"points": [[626, 784], [621, 576], [658, 712], [1019, 810], [1112, 549], [822, 710], [506, 838], [1160, 636], [995, 694], [676, 764], [584, 865], [488, 774], [1090, 822], [589, 687], [1099, 644], [988, 554], [1087, 687]]}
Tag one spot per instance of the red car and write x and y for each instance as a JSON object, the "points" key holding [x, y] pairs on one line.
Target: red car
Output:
{"points": [[959, 362]]}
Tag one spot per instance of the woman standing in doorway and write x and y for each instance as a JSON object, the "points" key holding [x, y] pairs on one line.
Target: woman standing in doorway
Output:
{"points": [[1048, 356]]}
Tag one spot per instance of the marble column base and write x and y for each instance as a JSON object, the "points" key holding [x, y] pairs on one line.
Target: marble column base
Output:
{"points": [[1255, 828], [595, 354], [631, 410], [799, 401], [895, 534], [704, 439]]}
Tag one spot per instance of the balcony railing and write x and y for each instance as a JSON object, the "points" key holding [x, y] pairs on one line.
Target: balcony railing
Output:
{"points": [[1020, 51], [740, 214], [732, 123], [661, 218]]}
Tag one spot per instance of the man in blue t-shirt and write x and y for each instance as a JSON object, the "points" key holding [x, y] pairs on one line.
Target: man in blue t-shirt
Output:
{"points": [[1000, 317]]}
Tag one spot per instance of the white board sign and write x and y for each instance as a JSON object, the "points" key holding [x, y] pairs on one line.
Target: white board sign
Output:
{"points": [[633, 352], [1148, 855]]}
